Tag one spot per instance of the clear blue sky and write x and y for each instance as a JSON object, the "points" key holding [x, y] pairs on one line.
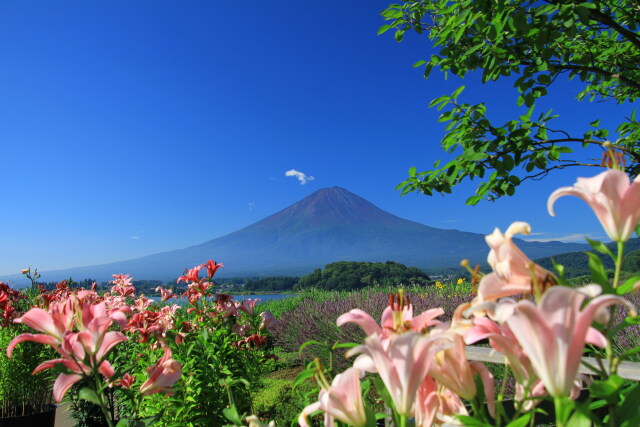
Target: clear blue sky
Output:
{"points": [[130, 128]]}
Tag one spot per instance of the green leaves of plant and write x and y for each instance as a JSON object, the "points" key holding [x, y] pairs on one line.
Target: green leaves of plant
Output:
{"points": [[537, 43], [90, 395]]}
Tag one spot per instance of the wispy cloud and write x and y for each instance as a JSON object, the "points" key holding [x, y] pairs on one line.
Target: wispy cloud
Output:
{"points": [[134, 237], [251, 205], [302, 177], [567, 238]]}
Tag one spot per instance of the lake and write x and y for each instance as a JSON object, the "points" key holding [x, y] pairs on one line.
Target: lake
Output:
{"points": [[263, 298]]}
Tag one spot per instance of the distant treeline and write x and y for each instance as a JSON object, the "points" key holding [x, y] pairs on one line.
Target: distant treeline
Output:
{"points": [[271, 284], [343, 275], [346, 275]]}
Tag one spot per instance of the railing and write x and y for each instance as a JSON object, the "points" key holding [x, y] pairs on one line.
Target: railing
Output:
{"points": [[627, 370]]}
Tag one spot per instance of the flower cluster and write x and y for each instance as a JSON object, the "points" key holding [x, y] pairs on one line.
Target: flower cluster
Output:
{"points": [[531, 316]]}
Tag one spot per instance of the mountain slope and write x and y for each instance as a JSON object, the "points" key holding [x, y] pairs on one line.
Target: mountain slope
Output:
{"points": [[329, 225]]}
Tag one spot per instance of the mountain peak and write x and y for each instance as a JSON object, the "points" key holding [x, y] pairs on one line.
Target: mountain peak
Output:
{"points": [[333, 206]]}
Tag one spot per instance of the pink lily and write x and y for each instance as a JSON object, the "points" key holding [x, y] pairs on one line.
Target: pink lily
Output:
{"points": [[248, 306], [212, 267], [165, 294], [614, 200], [396, 319], [162, 375], [513, 272], [342, 400], [54, 324], [191, 276], [452, 369], [437, 405], [503, 340], [403, 365], [269, 322], [553, 333]]}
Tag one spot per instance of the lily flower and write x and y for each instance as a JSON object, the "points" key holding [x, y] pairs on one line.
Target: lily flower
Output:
{"points": [[165, 294], [162, 375], [513, 272], [396, 319], [452, 369], [341, 400], [437, 405], [212, 267], [54, 324], [191, 276], [614, 200], [403, 365], [248, 306], [554, 332]]}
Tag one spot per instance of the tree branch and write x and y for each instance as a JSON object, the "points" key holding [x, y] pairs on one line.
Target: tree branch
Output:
{"points": [[604, 19]]}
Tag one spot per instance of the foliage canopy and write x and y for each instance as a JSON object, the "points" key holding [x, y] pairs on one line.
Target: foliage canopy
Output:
{"points": [[539, 43], [347, 275]]}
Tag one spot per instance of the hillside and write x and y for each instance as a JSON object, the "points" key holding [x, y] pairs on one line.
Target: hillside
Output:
{"points": [[329, 225]]}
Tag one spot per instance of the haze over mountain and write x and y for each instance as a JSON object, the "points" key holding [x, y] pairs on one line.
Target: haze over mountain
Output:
{"points": [[331, 224]]}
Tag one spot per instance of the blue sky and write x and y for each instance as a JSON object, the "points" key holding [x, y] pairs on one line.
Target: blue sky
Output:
{"points": [[130, 128]]}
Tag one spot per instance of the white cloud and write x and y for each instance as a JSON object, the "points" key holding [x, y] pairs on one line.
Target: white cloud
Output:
{"points": [[134, 237], [567, 238], [303, 178], [251, 205]]}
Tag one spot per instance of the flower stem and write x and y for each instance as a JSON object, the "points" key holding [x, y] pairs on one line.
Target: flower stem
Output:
{"points": [[99, 392], [559, 412], [620, 254]]}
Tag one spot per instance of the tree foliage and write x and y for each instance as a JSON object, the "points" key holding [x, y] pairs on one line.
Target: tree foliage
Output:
{"points": [[539, 44], [271, 284], [345, 275]]}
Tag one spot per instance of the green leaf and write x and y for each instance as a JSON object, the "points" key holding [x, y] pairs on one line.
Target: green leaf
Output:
{"points": [[579, 419], [607, 389], [471, 422], [628, 412], [419, 63], [457, 92], [302, 377], [521, 421], [384, 28], [598, 273], [628, 285], [600, 247], [90, 395], [308, 343], [344, 345], [232, 415]]}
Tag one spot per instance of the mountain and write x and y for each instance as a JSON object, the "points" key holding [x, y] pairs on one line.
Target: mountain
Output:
{"points": [[329, 225]]}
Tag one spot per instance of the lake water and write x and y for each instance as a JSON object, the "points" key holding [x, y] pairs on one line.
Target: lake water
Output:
{"points": [[263, 298]]}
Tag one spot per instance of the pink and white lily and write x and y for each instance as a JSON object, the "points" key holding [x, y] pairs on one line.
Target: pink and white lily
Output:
{"points": [[513, 272], [402, 365], [396, 319], [614, 199], [342, 400], [554, 332]]}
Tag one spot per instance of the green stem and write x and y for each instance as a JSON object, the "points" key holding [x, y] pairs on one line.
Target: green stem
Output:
{"points": [[102, 404], [558, 407], [402, 421], [616, 277]]}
